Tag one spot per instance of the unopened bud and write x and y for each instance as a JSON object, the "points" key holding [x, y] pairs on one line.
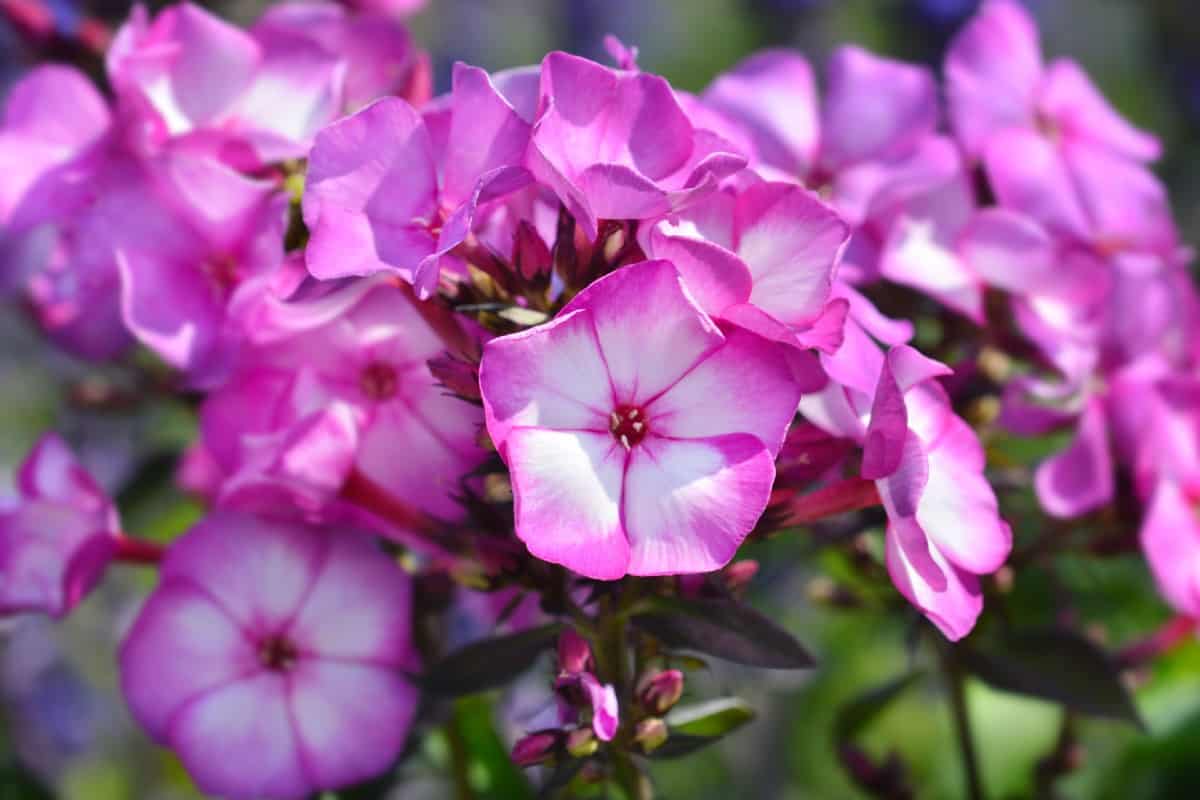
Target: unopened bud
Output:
{"points": [[531, 256], [536, 748], [582, 743], [738, 575], [460, 377], [659, 691], [574, 654], [651, 733]]}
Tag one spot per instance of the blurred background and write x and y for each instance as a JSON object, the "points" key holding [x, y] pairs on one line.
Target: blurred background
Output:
{"points": [[62, 724]]}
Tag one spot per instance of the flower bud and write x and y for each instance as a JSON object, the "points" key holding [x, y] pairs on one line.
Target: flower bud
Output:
{"points": [[459, 376], [531, 256], [658, 692], [535, 748], [738, 575], [574, 654], [582, 743], [651, 733]]}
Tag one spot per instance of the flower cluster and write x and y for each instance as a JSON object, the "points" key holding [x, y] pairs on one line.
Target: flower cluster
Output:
{"points": [[562, 325]]}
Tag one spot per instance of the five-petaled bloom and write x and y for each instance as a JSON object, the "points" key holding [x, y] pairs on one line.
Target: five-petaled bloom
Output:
{"points": [[641, 435], [271, 657]]}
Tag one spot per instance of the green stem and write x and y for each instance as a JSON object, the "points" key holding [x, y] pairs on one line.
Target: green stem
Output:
{"points": [[956, 682], [459, 760], [613, 659]]}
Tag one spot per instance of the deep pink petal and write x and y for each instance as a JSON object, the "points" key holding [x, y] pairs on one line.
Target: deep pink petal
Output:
{"points": [[1029, 174], [370, 194], [772, 95], [1080, 478], [1077, 109], [993, 70], [1170, 538], [949, 597], [860, 123]]}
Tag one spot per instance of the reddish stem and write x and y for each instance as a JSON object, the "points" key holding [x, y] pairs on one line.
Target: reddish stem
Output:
{"points": [[364, 492], [851, 494], [1156, 644], [138, 551]]}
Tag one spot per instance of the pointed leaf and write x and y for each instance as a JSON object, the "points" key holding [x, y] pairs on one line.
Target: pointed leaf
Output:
{"points": [[726, 629], [490, 663], [697, 726], [1056, 665], [861, 710]]}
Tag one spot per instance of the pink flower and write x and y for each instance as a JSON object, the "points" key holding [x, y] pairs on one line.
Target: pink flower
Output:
{"points": [[375, 54], [59, 160], [616, 144], [1050, 144], [996, 80], [337, 382], [641, 436], [378, 198], [271, 658], [763, 257], [770, 99], [1170, 538], [188, 76], [944, 529], [186, 239], [58, 537]]}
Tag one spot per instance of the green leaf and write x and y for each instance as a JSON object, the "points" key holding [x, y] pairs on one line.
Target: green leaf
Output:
{"points": [[1056, 665], [725, 629], [562, 776], [17, 783], [491, 773], [490, 663], [697, 726], [861, 710], [711, 718]]}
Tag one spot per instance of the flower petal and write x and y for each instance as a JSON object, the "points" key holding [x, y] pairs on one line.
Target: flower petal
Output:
{"points": [[689, 503]]}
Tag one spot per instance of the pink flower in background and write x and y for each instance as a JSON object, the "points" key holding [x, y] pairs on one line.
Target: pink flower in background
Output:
{"points": [[377, 198], [296, 643], [615, 144], [188, 77], [1051, 145], [641, 437], [336, 382], [58, 536], [763, 257], [996, 80], [376, 55], [186, 241]]}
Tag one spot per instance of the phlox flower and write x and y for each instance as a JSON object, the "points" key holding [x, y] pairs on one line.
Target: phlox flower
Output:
{"points": [[271, 658], [57, 537], [640, 435], [336, 382]]}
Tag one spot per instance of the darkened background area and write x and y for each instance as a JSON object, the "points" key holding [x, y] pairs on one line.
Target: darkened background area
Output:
{"points": [[61, 716]]}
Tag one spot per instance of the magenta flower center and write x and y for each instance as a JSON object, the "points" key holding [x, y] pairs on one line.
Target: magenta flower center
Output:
{"points": [[628, 425], [379, 381], [277, 653]]}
